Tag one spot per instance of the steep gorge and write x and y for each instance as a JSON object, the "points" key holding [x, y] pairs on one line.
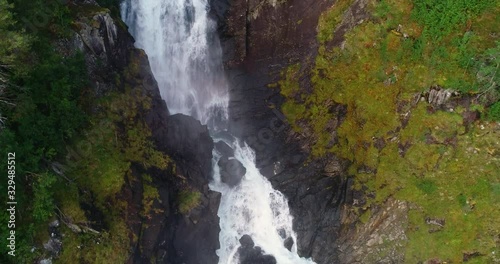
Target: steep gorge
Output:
{"points": [[144, 181]]}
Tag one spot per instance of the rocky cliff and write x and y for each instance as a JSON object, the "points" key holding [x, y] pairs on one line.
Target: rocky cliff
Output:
{"points": [[260, 39], [180, 224]]}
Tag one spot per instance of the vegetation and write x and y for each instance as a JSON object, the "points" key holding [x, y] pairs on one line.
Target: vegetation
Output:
{"points": [[400, 146], [149, 196], [40, 111], [45, 100], [188, 200], [12, 45], [331, 19]]}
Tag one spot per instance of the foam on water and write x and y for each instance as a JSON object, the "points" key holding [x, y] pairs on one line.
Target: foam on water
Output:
{"points": [[253, 208]]}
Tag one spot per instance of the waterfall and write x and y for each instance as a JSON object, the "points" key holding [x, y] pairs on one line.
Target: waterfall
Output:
{"points": [[185, 56], [184, 53]]}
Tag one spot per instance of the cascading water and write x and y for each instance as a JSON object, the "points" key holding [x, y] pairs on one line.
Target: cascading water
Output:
{"points": [[185, 57]]}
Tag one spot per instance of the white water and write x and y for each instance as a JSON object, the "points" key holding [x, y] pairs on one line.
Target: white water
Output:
{"points": [[253, 208], [185, 60], [185, 57]]}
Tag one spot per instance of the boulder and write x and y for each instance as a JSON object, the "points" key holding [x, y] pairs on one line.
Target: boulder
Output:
{"points": [[223, 148], [246, 241], [249, 254], [231, 171], [288, 243]]}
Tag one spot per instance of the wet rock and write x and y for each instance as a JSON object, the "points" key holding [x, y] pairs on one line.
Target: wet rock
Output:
{"points": [[192, 238], [224, 135], [288, 243], [224, 149], [187, 139], [249, 254], [282, 233], [231, 171], [195, 239], [246, 242]]}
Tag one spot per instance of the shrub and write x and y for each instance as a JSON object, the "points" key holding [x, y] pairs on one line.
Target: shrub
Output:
{"points": [[427, 186], [43, 201], [494, 112], [439, 18]]}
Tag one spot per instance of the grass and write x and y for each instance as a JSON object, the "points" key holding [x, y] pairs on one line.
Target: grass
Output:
{"points": [[427, 158]]}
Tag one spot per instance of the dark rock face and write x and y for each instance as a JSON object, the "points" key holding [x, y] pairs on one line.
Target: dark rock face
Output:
{"points": [[191, 238], [288, 243], [185, 139], [231, 171], [315, 202], [255, 31], [223, 148], [249, 254], [195, 238]]}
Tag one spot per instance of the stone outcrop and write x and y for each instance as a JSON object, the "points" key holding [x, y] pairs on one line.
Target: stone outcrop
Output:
{"points": [[354, 15], [380, 240]]}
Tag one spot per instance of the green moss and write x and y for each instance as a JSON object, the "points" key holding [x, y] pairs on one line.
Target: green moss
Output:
{"points": [[331, 19], [288, 85], [188, 200], [365, 216], [149, 195], [107, 247]]}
